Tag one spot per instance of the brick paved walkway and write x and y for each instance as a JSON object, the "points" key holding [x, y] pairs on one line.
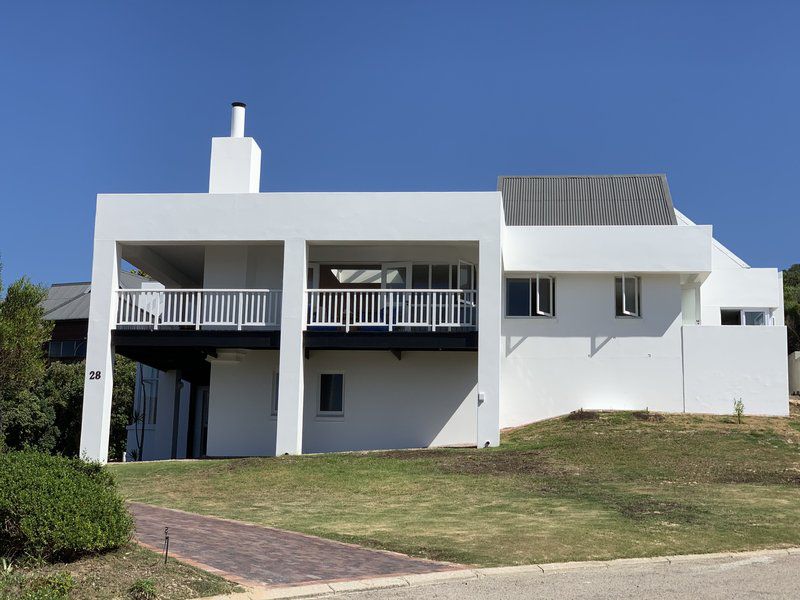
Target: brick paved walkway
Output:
{"points": [[255, 555]]}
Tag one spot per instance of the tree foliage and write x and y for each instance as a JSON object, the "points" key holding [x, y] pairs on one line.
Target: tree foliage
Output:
{"points": [[41, 404], [23, 333], [791, 305]]}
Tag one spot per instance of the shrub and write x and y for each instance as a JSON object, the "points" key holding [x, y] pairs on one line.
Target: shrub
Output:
{"points": [[738, 409], [53, 507], [142, 589]]}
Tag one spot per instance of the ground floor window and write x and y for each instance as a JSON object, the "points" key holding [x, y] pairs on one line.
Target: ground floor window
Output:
{"points": [[331, 395], [745, 316], [274, 399], [627, 296], [530, 297]]}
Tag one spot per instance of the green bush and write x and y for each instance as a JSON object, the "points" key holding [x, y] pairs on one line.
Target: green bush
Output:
{"points": [[53, 507]]}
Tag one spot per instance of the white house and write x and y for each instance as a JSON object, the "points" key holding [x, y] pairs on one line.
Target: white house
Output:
{"points": [[316, 322]]}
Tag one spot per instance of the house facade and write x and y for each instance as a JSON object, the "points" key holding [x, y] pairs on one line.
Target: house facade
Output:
{"points": [[287, 323]]}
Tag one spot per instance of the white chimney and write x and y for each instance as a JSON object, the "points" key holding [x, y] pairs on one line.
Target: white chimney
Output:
{"points": [[235, 160], [237, 119]]}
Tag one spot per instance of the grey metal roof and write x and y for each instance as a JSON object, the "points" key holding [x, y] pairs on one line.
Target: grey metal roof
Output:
{"points": [[587, 200], [68, 301]]}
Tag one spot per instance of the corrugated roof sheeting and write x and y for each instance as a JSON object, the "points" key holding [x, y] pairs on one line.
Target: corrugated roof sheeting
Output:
{"points": [[587, 200], [68, 301]]}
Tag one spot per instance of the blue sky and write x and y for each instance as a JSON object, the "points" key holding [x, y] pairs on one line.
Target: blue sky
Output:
{"points": [[104, 97]]}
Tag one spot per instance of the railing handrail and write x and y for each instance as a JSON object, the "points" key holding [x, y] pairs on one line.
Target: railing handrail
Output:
{"points": [[216, 308], [386, 290], [393, 308], [197, 290]]}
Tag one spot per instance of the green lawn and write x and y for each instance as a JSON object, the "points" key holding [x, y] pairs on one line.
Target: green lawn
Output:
{"points": [[619, 485], [110, 576]]}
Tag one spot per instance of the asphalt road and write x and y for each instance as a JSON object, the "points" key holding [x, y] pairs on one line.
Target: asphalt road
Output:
{"points": [[723, 579]]}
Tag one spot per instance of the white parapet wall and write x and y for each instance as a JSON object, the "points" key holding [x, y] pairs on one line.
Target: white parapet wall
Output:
{"points": [[726, 363], [614, 249], [794, 373]]}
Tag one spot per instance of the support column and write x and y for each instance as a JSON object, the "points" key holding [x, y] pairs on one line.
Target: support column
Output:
{"points": [[289, 435], [98, 382], [490, 283]]}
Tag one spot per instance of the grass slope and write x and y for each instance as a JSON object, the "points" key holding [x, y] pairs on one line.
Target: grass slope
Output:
{"points": [[618, 485], [109, 576]]}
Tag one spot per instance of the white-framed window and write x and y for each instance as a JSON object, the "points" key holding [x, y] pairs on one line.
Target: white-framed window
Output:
{"points": [[758, 317], [273, 404], [530, 296], [330, 402], [628, 296]]}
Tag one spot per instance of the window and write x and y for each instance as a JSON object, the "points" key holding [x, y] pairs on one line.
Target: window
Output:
{"points": [[530, 297], [731, 317], [145, 408], [627, 296], [745, 316], [331, 394], [274, 400]]}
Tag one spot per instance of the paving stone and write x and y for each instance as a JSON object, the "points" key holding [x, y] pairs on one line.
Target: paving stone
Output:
{"points": [[262, 556]]}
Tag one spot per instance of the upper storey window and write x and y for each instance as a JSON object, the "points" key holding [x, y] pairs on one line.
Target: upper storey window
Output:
{"points": [[530, 297], [745, 316], [627, 296]]}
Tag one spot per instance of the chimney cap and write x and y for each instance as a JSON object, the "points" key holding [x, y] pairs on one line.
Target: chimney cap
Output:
{"points": [[242, 104]]}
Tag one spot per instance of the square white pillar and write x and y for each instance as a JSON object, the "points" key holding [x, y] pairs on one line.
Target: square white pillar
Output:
{"points": [[289, 435], [98, 383], [490, 282]]}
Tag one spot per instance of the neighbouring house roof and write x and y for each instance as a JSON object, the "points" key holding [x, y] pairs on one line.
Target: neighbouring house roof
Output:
{"points": [[70, 301], [587, 200]]}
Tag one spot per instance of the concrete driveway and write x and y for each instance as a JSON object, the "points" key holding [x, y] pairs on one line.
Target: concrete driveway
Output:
{"points": [[768, 575]]}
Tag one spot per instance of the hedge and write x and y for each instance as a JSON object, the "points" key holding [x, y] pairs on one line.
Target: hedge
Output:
{"points": [[58, 508]]}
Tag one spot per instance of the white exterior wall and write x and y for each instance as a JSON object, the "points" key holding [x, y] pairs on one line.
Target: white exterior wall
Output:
{"points": [[608, 249], [241, 266], [740, 288], [794, 373], [724, 363], [424, 399], [585, 357], [239, 406]]}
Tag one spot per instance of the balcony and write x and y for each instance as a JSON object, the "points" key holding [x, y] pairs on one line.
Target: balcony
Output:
{"points": [[178, 328], [198, 309], [392, 310]]}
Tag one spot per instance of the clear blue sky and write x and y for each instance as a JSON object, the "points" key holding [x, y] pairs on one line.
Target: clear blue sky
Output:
{"points": [[429, 95]]}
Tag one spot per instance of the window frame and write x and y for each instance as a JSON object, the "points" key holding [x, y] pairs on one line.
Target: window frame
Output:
{"points": [[766, 313], [273, 401], [329, 415], [533, 295], [637, 312]]}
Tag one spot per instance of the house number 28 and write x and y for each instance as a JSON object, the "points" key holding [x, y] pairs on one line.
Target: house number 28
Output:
{"points": [[94, 374]]}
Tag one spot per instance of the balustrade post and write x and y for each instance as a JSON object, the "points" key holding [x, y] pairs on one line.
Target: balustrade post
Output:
{"points": [[391, 315], [347, 312], [431, 319], [239, 311], [197, 311]]}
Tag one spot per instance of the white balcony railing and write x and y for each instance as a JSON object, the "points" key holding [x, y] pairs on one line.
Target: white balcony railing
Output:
{"points": [[205, 308], [392, 309]]}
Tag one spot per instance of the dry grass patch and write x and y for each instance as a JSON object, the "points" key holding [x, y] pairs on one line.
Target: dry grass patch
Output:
{"points": [[111, 575]]}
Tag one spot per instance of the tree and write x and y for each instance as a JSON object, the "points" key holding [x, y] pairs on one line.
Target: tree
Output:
{"points": [[791, 306], [61, 388], [23, 334]]}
